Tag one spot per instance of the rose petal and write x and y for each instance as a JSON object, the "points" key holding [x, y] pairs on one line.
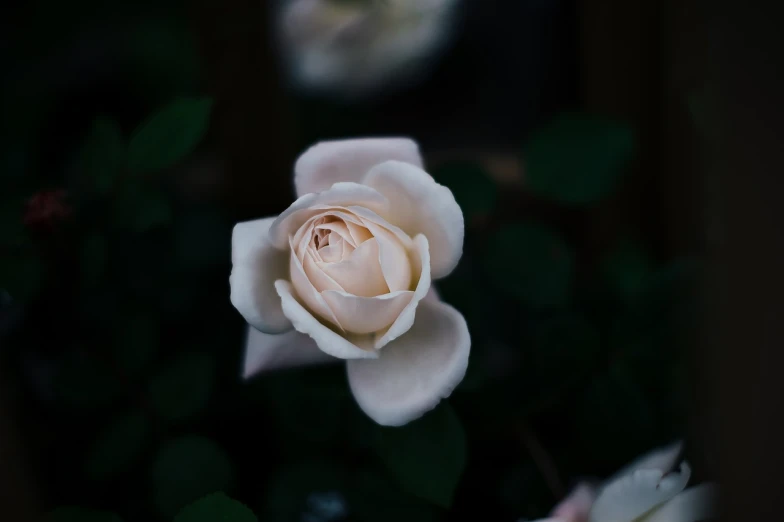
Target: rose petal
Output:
{"points": [[361, 273], [664, 459], [329, 162], [634, 495], [415, 372], [693, 505], [318, 278], [366, 315], [310, 205], [405, 320], [419, 205], [265, 352], [576, 506], [328, 341], [256, 265], [308, 293], [393, 260]]}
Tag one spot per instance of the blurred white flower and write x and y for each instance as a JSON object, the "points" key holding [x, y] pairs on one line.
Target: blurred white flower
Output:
{"points": [[359, 46], [648, 490]]}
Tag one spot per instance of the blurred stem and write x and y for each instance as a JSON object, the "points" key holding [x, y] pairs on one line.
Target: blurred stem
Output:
{"points": [[542, 459]]}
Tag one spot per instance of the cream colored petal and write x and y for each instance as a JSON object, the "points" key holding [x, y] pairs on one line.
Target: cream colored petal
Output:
{"points": [[394, 260], [419, 205], [360, 274], [320, 280], [256, 264], [328, 162], [634, 495], [373, 221], [415, 372], [341, 229], [664, 459], [366, 315], [693, 505], [359, 233], [310, 205], [308, 294], [577, 505], [326, 339], [268, 352], [421, 260]]}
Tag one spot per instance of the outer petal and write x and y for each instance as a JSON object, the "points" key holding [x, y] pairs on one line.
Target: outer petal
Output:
{"points": [[693, 505], [406, 318], [308, 205], [416, 371], [256, 266], [635, 495], [265, 352], [577, 506], [327, 340], [329, 162], [419, 205], [665, 459]]}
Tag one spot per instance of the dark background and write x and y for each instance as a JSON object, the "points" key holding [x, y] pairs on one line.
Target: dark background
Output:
{"points": [[136, 336]]}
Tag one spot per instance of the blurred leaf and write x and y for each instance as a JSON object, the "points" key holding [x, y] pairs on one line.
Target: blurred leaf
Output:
{"points": [[473, 189], [183, 388], [77, 514], [118, 446], [185, 470], [95, 255], [373, 498], [169, 135], [103, 155], [292, 489], [577, 159], [202, 240], [22, 276], [427, 456], [216, 508], [82, 383], [628, 270], [140, 208], [532, 263], [136, 343]]}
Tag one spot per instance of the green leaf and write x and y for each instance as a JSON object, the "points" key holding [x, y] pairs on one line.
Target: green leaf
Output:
{"points": [[141, 208], [292, 490], [183, 389], [22, 276], [77, 514], [427, 456], [185, 470], [474, 191], [103, 155], [628, 270], [83, 384], [95, 255], [136, 343], [216, 508], [169, 135], [577, 159], [532, 263], [118, 446]]}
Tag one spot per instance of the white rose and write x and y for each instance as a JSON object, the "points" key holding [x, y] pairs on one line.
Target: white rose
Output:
{"points": [[648, 490], [358, 47], [344, 273]]}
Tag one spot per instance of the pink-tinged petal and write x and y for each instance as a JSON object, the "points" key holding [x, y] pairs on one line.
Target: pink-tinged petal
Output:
{"points": [[327, 340], [419, 205], [416, 371], [421, 260], [366, 315], [267, 352], [309, 205], [634, 495], [307, 293], [361, 273], [432, 295], [693, 505], [256, 265], [664, 459], [576, 506], [329, 162]]}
